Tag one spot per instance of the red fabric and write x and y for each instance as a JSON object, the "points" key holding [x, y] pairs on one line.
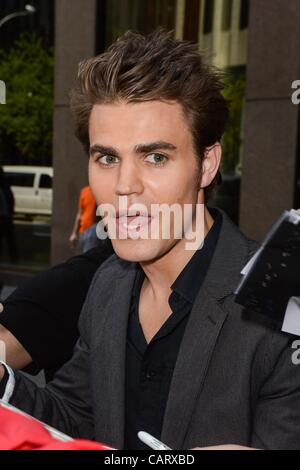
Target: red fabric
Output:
{"points": [[19, 432]]}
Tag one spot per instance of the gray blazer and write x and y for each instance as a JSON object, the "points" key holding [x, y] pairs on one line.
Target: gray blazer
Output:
{"points": [[234, 380]]}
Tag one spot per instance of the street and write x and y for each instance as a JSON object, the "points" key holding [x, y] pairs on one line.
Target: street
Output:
{"points": [[33, 238]]}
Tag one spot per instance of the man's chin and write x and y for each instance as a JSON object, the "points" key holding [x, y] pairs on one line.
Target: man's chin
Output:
{"points": [[137, 251]]}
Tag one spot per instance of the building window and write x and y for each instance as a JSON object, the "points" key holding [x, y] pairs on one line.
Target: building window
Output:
{"points": [[142, 17], [227, 15], [208, 16], [244, 14]]}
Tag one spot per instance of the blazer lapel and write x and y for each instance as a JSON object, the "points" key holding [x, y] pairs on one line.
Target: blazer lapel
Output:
{"points": [[205, 323], [196, 349], [111, 349]]}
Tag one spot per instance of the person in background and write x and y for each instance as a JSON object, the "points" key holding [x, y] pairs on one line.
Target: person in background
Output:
{"points": [[7, 203], [38, 321], [84, 229]]}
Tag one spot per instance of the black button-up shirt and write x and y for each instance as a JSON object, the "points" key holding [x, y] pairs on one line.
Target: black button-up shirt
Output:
{"points": [[149, 367]]}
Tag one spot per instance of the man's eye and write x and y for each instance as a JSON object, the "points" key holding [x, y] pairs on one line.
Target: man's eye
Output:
{"points": [[156, 158], [107, 160]]}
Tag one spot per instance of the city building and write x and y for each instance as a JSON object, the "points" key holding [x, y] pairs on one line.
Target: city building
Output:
{"points": [[250, 38]]}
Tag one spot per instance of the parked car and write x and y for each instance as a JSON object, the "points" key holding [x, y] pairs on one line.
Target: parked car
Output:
{"points": [[32, 188]]}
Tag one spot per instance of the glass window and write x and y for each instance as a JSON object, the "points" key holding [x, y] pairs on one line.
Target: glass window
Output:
{"points": [[46, 182], [227, 15], [244, 14], [25, 242], [26, 180], [142, 16], [227, 196], [208, 16], [191, 20]]}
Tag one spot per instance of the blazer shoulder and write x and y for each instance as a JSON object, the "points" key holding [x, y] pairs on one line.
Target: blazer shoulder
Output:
{"points": [[113, 267]]}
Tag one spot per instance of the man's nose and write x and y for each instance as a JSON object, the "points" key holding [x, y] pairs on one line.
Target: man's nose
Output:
{"points": [[129, 179]]}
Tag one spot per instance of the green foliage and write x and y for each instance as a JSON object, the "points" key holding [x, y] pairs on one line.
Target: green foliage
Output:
{"points": [[26, 119], [231, 142]]}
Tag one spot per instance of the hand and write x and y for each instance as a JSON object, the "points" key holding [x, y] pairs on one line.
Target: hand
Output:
{"points": [[73, 240], [14, 354], [2, 372], [225, 447], [1, 367]]}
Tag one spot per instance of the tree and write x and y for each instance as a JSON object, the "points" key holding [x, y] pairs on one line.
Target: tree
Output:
{"points": [[26, 118], [231, 142]]}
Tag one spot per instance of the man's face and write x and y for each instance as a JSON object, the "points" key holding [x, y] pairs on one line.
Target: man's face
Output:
{"points": [[143, 151]]}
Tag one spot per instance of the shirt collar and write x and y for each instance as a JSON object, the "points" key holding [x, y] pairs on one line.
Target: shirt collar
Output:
{"points": [[192, 276], [190, 279]]}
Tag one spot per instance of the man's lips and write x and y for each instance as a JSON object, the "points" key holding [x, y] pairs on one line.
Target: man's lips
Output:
{"points": [[133, 222], [131, 213]]}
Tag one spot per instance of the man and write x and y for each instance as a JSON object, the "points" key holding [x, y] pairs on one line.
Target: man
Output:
{"points": [[163, 346], [38, 321], [7, 204], [84, 228]]}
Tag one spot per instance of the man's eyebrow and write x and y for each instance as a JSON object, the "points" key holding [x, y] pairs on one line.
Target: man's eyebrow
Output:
{"points": [[98, 148], [140, 148], [152, 146]]}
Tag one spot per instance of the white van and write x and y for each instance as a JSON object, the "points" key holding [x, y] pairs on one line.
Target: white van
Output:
{"points": [[32, 188]]}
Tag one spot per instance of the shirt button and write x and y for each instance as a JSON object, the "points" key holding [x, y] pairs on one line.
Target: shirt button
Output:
{"points": [[150, 374]]}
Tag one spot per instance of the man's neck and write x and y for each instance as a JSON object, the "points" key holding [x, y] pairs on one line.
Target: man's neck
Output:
{"points": [[162, 273]]}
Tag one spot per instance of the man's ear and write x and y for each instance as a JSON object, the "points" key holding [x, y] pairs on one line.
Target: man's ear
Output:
{"points": [[210, 164]]}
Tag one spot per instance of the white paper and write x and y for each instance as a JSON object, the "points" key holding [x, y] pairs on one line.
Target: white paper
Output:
{"points": [[291, 322], [250, 263]]}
